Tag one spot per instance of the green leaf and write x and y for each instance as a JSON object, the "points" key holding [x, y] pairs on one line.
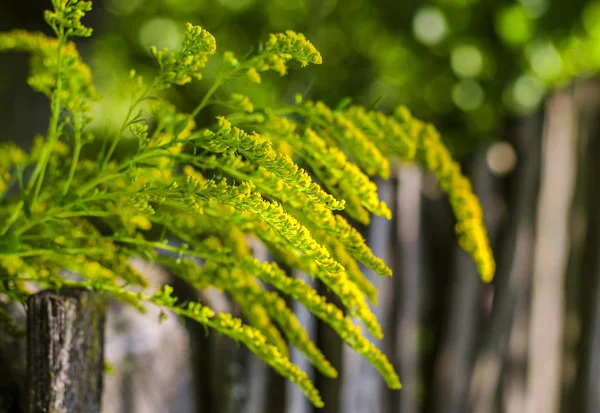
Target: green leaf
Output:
{"points": [[180, 126], [23, 192], [373, 105], [343, 103], [9, 243], [69, 198]]}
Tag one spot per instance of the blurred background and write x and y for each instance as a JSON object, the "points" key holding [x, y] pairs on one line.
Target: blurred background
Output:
{"points": [[512, 86]]}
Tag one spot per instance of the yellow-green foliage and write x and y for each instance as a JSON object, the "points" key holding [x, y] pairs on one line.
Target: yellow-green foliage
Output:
{"points": [[211, 187]]}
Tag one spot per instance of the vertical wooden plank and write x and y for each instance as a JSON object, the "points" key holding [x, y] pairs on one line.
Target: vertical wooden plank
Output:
{"points": [[514, 305], [407, 297], [332, 347], [454, 363], [252, 386], [296, 401], [151, 360], [581, 365], [587, 382], [591, 359], [13, 353], [362, 387], [65, 351], [500, 352], [215, 359], [438, 265], [252, 382], [274, 392], [550, 256]]}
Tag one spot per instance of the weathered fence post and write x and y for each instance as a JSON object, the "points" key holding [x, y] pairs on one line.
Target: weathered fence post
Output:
{"points": [[65, 351]]}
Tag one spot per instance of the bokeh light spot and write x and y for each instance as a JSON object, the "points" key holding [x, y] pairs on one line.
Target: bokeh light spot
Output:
{"points": [[161, 32], [236, 5], [468, 95], [466, 61], [545, 61], [591, 19], [183, 6], [501, 158], [527, 92], [513, 25], [430, 26], [123, 8], [535, 8]]}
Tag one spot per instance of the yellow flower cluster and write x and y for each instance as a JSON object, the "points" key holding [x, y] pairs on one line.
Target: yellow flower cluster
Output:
{"points": [[252, 338], [349, 293], [78, 85], [244, 197], [278, 50], [246, 294], [242, 102], [328, 312], [294, 332], [171, 125], [260, 150], [339, 234], [470, 228], [320, 218], [388, 134], [293, 45], [67, 16], [256, 342], [350, 137], [229, 60], [409, 139], [342, 177], [10, 156], [355, 275], [179, 68], [259, 304]]}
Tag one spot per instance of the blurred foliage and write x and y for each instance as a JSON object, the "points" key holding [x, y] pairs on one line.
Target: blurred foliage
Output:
{"points": [[462, 64]]}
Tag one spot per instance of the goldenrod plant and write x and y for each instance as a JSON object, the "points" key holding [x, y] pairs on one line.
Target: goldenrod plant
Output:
{"points": [[189, 197]]}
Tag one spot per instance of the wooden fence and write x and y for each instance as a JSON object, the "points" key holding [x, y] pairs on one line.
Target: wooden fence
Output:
{"points": [[530, 342]]}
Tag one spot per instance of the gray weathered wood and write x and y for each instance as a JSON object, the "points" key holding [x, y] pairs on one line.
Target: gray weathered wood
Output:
{"points": [[65, 346], [12, 362], [408, 292], [550, 256], [295, 398], [362, 387], [454, 363], [500, 362], [581, 362]]}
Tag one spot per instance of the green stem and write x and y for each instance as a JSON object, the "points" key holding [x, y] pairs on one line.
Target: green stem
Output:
{"points": [[94, 182], [135, 101], [104, 178], [211, 91], [66, 251], [117, 138], [14, 216], [166, 247], [75, 214], [52, 136], [76, 153], [53, 213]]}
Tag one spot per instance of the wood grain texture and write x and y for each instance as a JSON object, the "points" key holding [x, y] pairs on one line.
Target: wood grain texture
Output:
{"points": [[65, 351]]}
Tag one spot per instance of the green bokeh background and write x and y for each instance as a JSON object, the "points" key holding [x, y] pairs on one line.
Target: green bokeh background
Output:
{"points": [[464, 65]]}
